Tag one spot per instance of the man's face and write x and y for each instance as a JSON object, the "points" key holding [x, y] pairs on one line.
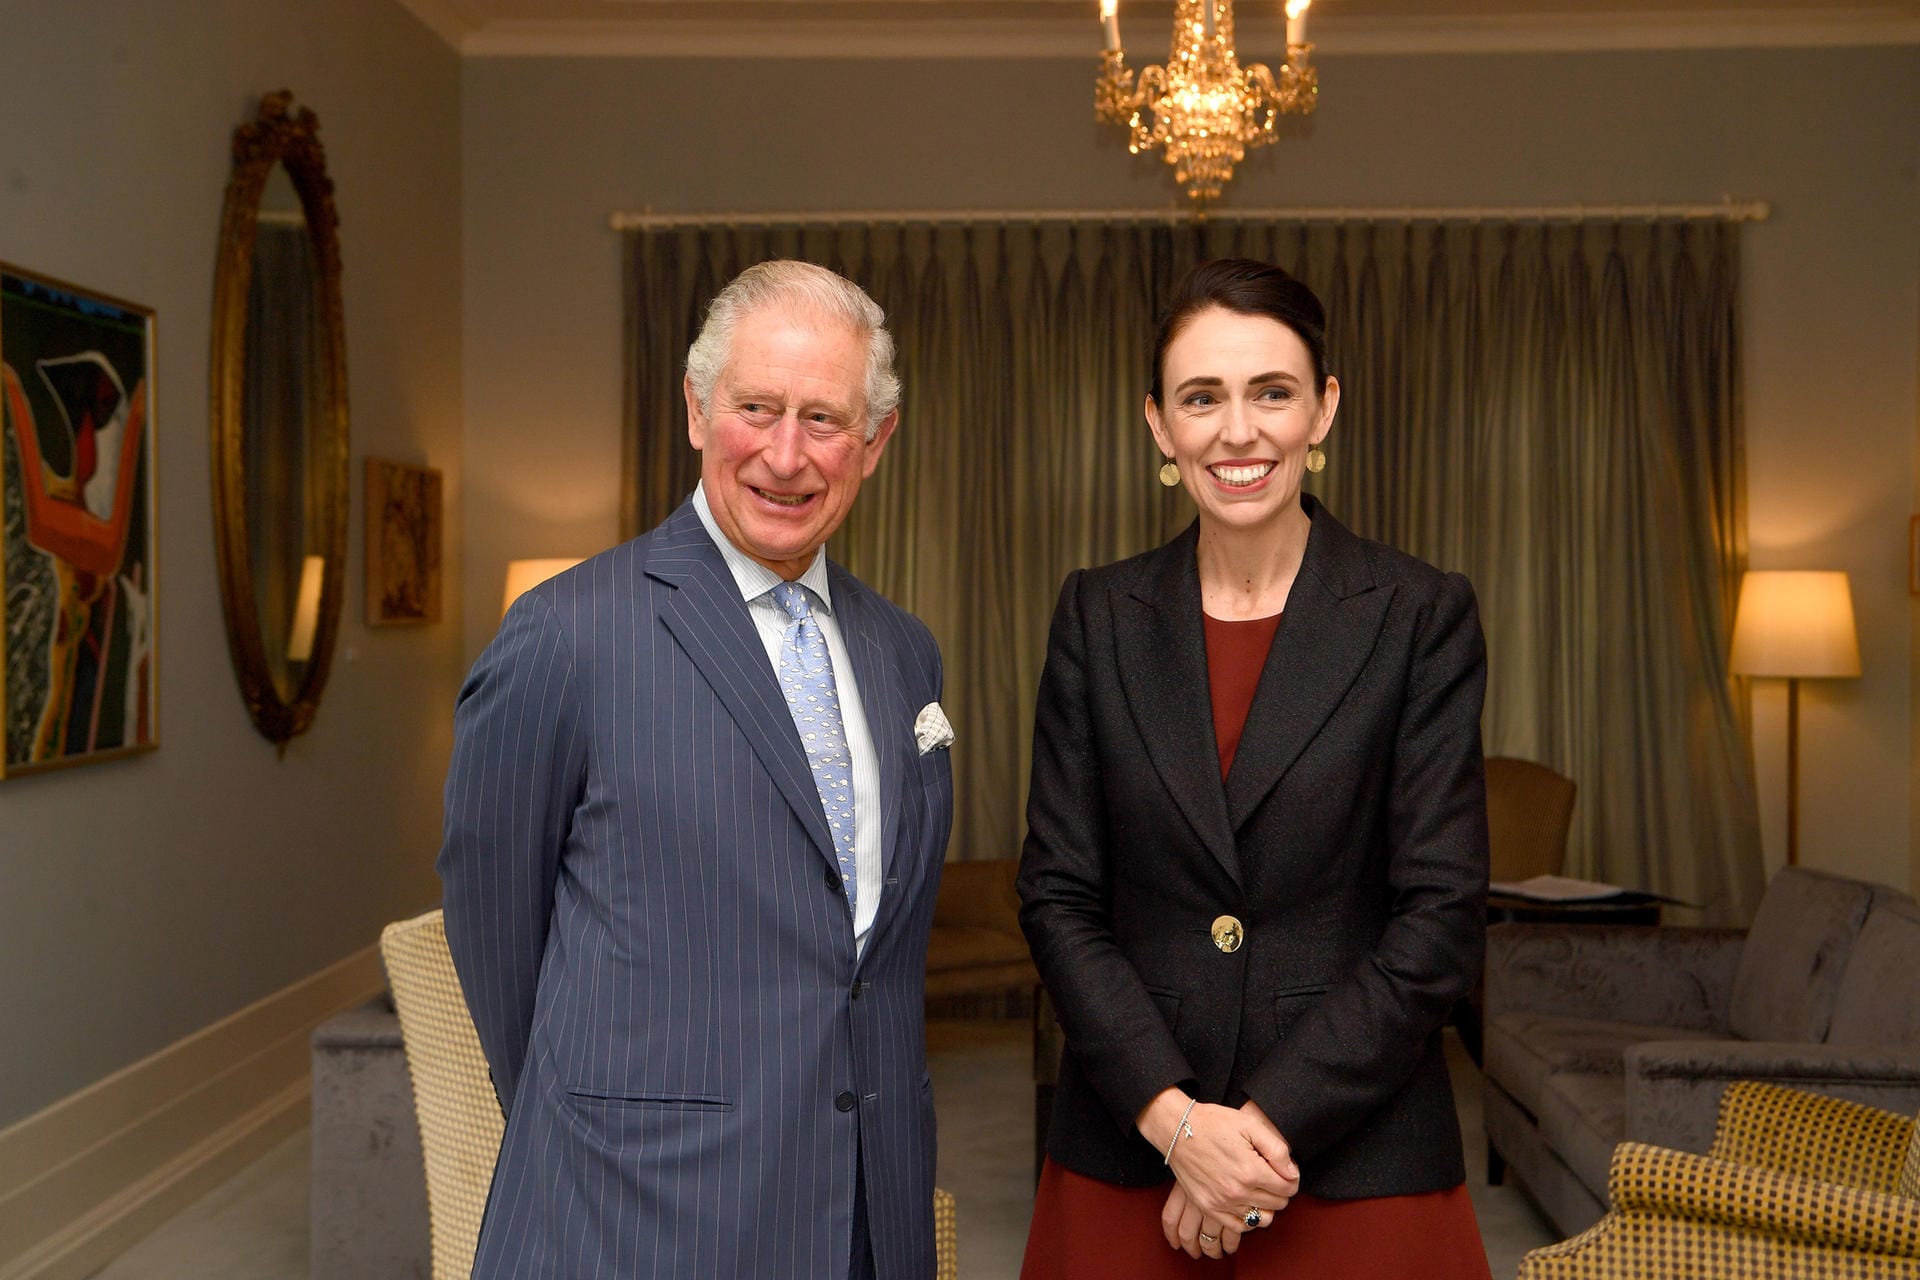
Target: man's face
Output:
{"points": [[783, 447]]}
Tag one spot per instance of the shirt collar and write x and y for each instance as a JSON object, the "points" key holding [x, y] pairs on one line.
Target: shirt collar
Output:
{"points": [[753, 578]]}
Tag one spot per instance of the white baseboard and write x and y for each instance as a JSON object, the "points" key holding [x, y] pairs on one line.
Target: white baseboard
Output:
{"points": [[101, 1168]]}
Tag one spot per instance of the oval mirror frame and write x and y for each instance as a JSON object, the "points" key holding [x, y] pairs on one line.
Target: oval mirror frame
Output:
{"points": [[283, 136]]}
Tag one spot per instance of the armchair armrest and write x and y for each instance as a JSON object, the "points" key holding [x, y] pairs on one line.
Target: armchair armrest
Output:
{"points": [[1657, 976], [1652, 1180], [1811, 1135], [1673, 1087]]}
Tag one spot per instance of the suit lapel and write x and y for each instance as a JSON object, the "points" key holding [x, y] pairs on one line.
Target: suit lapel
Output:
{"points": [[1162, 654], [1329, 630], [709, 620], [882, 702]]}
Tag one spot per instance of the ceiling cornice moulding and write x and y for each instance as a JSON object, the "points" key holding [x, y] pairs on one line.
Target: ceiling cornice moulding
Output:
{"points": [[930, 29], [441, 18]]}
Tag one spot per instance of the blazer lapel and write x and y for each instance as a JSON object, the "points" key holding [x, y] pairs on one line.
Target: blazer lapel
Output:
{"points": [[1162, 652], [882, 702], [1331, 625], [709, 620]]}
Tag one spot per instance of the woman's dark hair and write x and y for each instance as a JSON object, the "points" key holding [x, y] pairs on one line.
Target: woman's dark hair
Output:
{"points": [[1247, 288]]}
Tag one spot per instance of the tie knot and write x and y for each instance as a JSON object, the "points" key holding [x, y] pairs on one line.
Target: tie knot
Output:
{"points": [[795, 599]]}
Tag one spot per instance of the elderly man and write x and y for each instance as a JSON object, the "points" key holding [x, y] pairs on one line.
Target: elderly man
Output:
{"points": [[695, 820]]}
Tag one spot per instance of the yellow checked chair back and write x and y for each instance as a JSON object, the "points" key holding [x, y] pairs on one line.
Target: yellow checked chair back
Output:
{"points": [[460, 1120]]}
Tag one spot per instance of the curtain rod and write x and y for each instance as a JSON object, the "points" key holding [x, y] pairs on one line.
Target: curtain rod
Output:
{"points": [[1728, 210]]}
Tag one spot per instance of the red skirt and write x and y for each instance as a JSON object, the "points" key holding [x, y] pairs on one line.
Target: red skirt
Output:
{"points": [[1085, 1229]]}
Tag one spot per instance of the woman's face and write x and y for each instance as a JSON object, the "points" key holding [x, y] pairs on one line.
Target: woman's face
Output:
{"points": [[1241, 410]]}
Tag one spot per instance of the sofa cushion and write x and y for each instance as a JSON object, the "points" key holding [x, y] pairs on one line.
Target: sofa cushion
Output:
{"points": [[1583, 1118], [1795, 956], [1521, 1050], [1879, 999]]}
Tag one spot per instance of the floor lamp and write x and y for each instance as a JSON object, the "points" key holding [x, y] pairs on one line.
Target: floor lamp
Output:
{"points": [[1795, 625]]}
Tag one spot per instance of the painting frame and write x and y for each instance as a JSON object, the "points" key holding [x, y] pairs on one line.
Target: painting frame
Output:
{"points": [[79, 579], [1913, 555], [404, 538]]}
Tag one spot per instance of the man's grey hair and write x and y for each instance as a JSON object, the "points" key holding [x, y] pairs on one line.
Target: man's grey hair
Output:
{"points": [[808, 291]]}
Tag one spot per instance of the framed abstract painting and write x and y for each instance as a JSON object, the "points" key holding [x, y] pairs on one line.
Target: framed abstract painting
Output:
{"points": [[77, 655]]}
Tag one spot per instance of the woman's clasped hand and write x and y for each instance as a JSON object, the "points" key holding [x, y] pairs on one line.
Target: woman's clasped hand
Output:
{"points": [[1231, 1168]]}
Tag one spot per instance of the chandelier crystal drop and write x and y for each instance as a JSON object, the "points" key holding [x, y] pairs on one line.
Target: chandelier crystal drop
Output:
{"points": [[1202, 110]]}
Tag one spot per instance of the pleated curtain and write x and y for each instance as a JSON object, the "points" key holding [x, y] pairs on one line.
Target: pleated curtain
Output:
{"points": [[1551, 408]]}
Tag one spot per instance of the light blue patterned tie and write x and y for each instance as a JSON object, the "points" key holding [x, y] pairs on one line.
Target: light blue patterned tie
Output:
{"points": [[806, 677]]}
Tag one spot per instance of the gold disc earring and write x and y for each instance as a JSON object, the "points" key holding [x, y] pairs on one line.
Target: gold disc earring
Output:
{"points": [[1170, 473], [1316, 459]]}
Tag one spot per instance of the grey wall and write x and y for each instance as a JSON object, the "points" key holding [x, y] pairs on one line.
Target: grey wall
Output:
{"points": [[1832, 298], [142, 899]]}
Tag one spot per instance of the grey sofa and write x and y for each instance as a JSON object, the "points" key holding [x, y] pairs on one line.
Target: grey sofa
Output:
{"points": [[1597, 1035]]}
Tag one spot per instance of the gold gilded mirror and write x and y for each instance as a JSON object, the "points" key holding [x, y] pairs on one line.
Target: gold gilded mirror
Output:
{"points": [[280, 495]]}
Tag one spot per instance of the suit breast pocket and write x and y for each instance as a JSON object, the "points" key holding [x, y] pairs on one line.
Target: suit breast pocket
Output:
{"points": [[934, 772]]}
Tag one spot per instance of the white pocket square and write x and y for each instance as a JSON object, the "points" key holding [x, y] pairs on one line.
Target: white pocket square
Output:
{"points": [[931, 730]]}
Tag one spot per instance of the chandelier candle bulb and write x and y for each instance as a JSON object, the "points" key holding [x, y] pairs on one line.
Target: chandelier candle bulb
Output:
{"points": [[1297, 22], [1110, 24]]}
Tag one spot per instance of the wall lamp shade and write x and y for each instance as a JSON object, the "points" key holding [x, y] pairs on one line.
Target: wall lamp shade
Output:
{"points": [[1795, 624], [524, 575]]}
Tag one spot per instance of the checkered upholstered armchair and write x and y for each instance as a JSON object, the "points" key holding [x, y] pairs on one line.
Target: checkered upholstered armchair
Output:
{"points": [[1797, 1185]]}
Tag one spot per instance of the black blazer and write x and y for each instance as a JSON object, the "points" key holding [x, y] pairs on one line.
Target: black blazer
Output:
{"points": [[1350, 839]]}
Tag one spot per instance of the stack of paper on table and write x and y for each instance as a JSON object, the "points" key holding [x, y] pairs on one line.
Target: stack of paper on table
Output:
{"points": [[1556, 889]]}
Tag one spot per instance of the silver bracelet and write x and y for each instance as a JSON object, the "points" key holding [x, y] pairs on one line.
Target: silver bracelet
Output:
{"points": [[1179, 1131]]}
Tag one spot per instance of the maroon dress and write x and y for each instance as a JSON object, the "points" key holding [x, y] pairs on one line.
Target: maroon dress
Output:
{"points": [[1085, 1229]]}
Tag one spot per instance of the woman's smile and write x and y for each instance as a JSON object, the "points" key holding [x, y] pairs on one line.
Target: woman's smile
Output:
{"points": [[1240, 475]]}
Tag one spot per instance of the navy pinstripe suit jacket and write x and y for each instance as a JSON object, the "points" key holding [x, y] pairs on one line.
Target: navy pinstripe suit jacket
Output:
{"points": [[643, 905]]}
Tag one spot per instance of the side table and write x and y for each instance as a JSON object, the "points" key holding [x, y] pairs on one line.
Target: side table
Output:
{"points": [[1630, 906]]}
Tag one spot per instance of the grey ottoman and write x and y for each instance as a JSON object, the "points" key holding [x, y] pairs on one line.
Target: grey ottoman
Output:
{"points": [[369, 1193]]}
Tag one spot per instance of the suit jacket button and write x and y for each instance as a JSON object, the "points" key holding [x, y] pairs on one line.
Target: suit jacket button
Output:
{"points": [[844, 1102], [1228, 934], [833, 880]]}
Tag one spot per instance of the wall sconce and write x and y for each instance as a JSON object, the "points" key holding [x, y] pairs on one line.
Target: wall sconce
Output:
{"points": [[524, 575], [1795, 625]]}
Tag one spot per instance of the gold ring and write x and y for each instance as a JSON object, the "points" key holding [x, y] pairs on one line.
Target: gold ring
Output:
{"points": [[1207, 1239]]}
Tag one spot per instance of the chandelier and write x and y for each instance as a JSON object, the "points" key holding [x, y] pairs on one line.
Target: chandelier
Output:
{"points": [[1203, 110]]}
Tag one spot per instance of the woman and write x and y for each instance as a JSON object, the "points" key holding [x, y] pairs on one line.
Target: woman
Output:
{"points": [[1256, 856]]}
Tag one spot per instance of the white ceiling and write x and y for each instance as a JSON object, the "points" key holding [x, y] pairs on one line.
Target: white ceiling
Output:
{"points": [[1068, 28]]}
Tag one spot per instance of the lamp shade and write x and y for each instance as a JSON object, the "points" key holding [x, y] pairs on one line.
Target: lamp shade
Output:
{"points": [[1795, 623], [524, 575]]}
